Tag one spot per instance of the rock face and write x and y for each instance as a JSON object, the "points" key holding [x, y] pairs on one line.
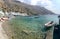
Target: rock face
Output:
{"points": [[16, 6], [1, 3]]}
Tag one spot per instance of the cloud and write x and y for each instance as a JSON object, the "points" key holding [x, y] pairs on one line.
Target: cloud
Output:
{"points": [[33, 2], [52, 5], [48, 4], [45, 3]]}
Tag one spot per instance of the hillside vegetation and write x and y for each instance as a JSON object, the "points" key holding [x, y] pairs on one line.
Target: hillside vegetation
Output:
{"points": [[16, 6]]}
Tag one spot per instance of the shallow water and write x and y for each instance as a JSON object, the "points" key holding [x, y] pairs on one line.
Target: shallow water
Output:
{"points": [[23, 25]]}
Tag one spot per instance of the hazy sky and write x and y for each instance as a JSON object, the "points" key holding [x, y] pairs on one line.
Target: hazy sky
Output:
{"points": [[53, 5]]}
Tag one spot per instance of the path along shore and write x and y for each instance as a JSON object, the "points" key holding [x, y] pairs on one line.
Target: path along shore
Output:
{"points": [[2, 32]]}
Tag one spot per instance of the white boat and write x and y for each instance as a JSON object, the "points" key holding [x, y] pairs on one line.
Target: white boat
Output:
{"points": [[50, 23]]}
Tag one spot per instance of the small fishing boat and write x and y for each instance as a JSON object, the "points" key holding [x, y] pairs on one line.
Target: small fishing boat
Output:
{"points": [[50, 23]]}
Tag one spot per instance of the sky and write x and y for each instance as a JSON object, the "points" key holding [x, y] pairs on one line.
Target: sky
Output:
{"points": [[53, 5]]}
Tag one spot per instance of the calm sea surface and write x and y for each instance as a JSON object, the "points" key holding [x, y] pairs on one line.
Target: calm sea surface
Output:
{"points": [[31, 23]]}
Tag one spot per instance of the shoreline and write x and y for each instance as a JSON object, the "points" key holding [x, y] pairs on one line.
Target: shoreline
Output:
{"points": [[3, 34]]}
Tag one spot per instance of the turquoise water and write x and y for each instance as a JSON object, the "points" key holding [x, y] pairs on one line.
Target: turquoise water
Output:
{"points": [[31, 23]]}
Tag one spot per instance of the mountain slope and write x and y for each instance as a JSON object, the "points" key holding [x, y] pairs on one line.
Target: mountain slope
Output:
{"points": [[16, 6]]}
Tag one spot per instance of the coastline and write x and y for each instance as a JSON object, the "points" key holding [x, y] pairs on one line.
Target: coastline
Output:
{"points": [[2, 32]]}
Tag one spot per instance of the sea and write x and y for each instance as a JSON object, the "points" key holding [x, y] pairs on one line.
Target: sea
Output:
{"points": [[33, 24]]}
